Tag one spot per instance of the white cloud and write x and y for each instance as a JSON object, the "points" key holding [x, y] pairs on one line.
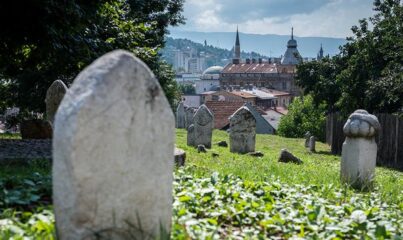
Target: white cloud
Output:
{"points": [[333, 19]]}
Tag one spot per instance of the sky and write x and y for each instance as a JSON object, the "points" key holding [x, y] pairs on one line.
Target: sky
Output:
{"points": [[319, 18]]}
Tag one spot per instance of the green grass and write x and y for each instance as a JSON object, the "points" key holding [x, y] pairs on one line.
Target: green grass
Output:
{"points": [[235, 196], [319, 168], [10, 136]]}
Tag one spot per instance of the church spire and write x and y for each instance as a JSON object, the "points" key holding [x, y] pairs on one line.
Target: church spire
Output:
{"points": [[292, 33], [237, 46], [320, 54]]}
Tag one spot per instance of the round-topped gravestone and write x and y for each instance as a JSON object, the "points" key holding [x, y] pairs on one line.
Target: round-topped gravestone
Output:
{"points": [[359, 149], [203, 122], [54, 96], [113, 157], [242, 132]]}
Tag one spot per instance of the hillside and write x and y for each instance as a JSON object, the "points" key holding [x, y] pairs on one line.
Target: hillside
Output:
{"points": [[268, 44], [214, 55]]}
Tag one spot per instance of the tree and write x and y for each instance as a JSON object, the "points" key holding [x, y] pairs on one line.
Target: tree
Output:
{"points": [[42, 41], [368, 71], [303, 116], [187, 89]]}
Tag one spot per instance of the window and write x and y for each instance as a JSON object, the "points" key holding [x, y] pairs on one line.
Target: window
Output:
{"points": [[284, 85]]}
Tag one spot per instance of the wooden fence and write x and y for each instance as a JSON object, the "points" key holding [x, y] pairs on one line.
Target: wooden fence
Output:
{"points": [[389, 138]]}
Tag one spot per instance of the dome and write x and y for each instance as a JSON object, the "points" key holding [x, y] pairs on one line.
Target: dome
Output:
{"points": [[213, 70], [292, 43]]}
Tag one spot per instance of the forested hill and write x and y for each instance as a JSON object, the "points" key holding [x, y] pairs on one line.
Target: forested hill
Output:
{"points": [[213, 55]]}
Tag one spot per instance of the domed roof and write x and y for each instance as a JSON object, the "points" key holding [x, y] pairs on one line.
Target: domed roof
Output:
{"points": [[213, 70], [292, 43]]}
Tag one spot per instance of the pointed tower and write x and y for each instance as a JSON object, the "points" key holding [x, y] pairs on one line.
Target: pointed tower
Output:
{"points": [[291, 55], [237, 52], [320, 54]]}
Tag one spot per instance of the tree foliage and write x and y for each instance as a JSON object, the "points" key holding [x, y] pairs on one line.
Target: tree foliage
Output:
{"points": [[303, 116], [368, 72], [42, 41]]}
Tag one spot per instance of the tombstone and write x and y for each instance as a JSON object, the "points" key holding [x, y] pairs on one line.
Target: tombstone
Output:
{"points": [[307, 135], [191, 136], [242, 134], [180, 116], [180, 157], [312, 143], [36, 129], [286, 157], [189, 112], [54, 96], [112, 156], [203, 126], [359, 149]]}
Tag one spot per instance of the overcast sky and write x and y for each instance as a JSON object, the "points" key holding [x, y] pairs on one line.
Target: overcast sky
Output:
{"points": [[327, 18]]}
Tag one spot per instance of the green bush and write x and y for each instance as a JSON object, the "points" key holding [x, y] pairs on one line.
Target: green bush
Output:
{"points": [[303, 116]]}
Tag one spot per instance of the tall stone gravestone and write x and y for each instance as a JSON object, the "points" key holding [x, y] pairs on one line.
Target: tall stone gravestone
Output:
{"points": [[54, 96], [359, 149], [189, 112], [180, 116], [307, 136], [312, 144], [242, 134], [191, 136], [203, 126], [112, 155]]}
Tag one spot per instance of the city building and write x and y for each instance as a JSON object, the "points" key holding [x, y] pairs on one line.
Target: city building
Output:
{"points": [[259, 73], [209, 80]]}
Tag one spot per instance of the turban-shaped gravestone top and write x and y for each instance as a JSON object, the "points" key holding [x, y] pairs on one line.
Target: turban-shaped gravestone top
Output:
{"points": [[112, 155]]}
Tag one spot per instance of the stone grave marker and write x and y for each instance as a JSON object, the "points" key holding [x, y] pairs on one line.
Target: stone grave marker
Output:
{"points": [[242, 134], [307, 135], [203, 126], [54, 96], [191, 136], [112, 156], [312, 143], [189, 112], [180, 116], [359, 150]]}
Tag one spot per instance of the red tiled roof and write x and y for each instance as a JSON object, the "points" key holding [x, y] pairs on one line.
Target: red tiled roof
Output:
{"points": [[275, 92], [250, 68], [242, 94], [222, 110]]}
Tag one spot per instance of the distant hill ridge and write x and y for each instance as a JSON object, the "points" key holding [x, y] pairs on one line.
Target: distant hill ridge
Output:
{"points": [[271, 45]]}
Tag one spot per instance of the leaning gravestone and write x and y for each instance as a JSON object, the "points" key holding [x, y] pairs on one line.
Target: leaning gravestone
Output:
{"points": [[203, 126], [189, 112], [180, 116], [242, 135], [359, 149], [54, 96], [112, 156], [312, 143]]}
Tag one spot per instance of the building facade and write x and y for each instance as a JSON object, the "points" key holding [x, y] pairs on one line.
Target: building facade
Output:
{"points": [[263, 73]]}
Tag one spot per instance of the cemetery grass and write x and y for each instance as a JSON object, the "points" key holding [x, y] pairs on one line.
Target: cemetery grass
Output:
{"points": [[319, 169], [235, 196]]}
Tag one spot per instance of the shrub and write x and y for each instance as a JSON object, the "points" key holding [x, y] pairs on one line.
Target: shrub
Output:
{"points": [[303, 116]]}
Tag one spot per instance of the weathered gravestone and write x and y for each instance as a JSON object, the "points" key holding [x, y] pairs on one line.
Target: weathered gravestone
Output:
{"points": [[189, 112], [359, 149], [307, 136], [286, 157], [242, 135], [112, 156], [191, 136], [54, 96], [180, 157], [36, 129], [180, 116], [203, 126], [312, 143]]}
